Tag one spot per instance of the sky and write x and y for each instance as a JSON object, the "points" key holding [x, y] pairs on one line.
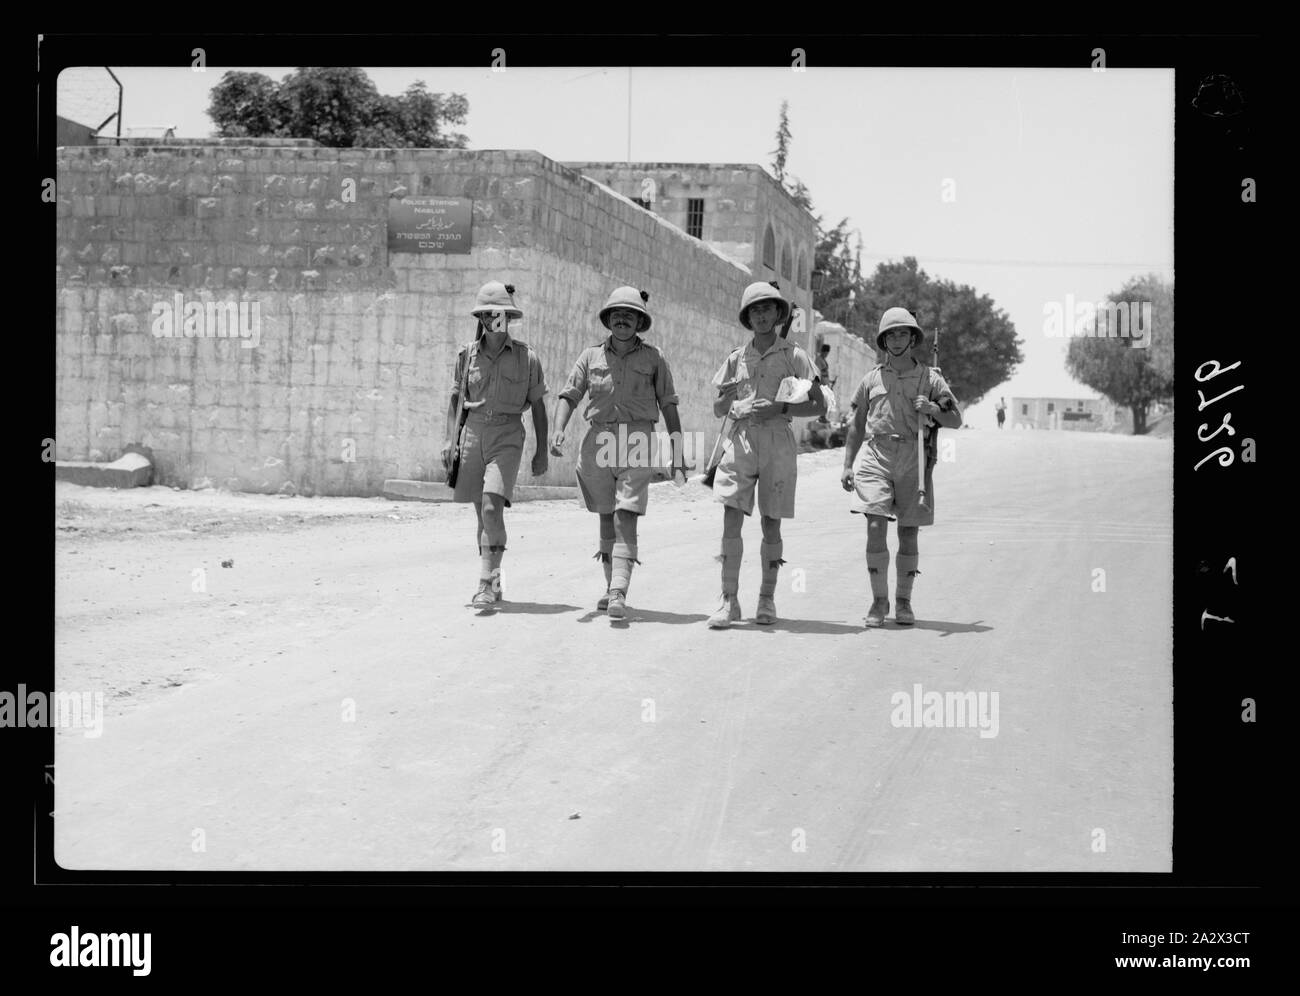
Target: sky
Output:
{"points": [[1059, 181]]}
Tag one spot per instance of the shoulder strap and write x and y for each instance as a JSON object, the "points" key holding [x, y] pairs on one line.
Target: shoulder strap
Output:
{"points": [[469, 352]]}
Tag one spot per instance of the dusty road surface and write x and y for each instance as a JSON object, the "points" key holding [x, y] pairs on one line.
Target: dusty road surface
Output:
{"points": [[328, 701]]}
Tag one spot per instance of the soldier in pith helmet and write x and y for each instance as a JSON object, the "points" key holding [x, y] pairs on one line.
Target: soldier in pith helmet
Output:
{"points": [[628, 383], [497, 379], [881, 464], [759, 452]]}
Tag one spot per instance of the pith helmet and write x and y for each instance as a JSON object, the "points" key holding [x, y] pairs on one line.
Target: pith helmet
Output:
{"points": [[496, 296], [762, 291], [630, 298], [898, 318]]}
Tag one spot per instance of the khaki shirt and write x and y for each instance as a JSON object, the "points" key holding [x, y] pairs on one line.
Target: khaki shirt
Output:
{"points": [[505, 384], [761, 374], [883, 402], [630, 388]]}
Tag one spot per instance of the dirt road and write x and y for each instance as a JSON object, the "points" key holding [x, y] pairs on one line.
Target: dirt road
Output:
{"points": [[329, 702]]}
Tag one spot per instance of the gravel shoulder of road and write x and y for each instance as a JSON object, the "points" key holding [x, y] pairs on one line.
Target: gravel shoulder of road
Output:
{"points": [[84, 513]]}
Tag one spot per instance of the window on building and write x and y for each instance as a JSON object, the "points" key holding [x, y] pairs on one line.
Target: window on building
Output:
{"points": [[769, 249], [1024, 409], [802, 272], [695, 217], [787, 263], [1051, 407]]}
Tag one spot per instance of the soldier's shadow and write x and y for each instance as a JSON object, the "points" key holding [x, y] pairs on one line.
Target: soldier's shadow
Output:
{"points": [[635, 615], [817, 626], [535, 608], [944, 628], [839, 629]]}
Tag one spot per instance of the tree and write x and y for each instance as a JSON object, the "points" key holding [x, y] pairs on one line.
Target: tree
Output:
{"points": [[979, 348], [1131, 375], [782, 149], [338, 107], [840, 285]]}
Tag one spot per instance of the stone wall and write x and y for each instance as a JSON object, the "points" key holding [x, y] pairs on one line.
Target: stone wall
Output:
{"points": [[850, 359], [347, 382], [740, 201]]}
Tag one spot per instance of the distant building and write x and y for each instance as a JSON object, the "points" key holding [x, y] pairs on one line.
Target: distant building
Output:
{"points": [[737, 209], [1086, 414]]}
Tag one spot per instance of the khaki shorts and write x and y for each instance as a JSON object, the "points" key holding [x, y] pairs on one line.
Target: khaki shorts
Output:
{"points": [[489, 461], [758, 456], [606, 482], [885, 481]]}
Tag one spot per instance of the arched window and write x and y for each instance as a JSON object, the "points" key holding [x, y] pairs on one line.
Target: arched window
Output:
{"points": [[803, 270], [787, 263], [769, 248]]}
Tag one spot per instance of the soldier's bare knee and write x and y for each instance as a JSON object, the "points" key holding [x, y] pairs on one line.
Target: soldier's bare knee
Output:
{"points": [[877, 530]]}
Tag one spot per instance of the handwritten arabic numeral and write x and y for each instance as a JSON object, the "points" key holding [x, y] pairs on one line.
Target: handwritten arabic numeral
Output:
{"points": [[1224, 454], [1227, 418], [1231, 565], [1205, 614], [1206, 404], [1217, 370]]}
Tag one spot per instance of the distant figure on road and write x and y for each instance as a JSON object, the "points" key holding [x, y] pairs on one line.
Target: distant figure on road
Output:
{"points": [[824, 364], [497, 378], [1002, 411], [880, 458], [628, 383]]}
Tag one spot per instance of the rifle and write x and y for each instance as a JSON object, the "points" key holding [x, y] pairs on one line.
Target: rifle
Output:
{"points": [[927, 436], [453, 471], [711, 470]]}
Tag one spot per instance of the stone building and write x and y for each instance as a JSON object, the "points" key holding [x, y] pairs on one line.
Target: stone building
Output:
{"points": [[346, 382], [1077, 414], [850, 358], [738, 209]]}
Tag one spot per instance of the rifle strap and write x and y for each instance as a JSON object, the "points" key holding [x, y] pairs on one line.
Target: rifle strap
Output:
{"points": [[470, 351]]}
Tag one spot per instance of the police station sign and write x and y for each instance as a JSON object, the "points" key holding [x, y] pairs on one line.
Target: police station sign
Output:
{"points": [[430, 224]]}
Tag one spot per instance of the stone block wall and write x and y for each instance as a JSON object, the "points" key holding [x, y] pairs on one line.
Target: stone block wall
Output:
{"points": [[345, 383]]}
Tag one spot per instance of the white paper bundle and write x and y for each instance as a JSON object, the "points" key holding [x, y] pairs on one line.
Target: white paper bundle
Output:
{"points": [[793, 390]]}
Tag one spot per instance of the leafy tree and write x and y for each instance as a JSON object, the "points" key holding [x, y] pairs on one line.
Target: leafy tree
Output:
{"points": [[978, 346], [841, 278], [1134, 377], [246, 105], [338, 107], [782, 150]]}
